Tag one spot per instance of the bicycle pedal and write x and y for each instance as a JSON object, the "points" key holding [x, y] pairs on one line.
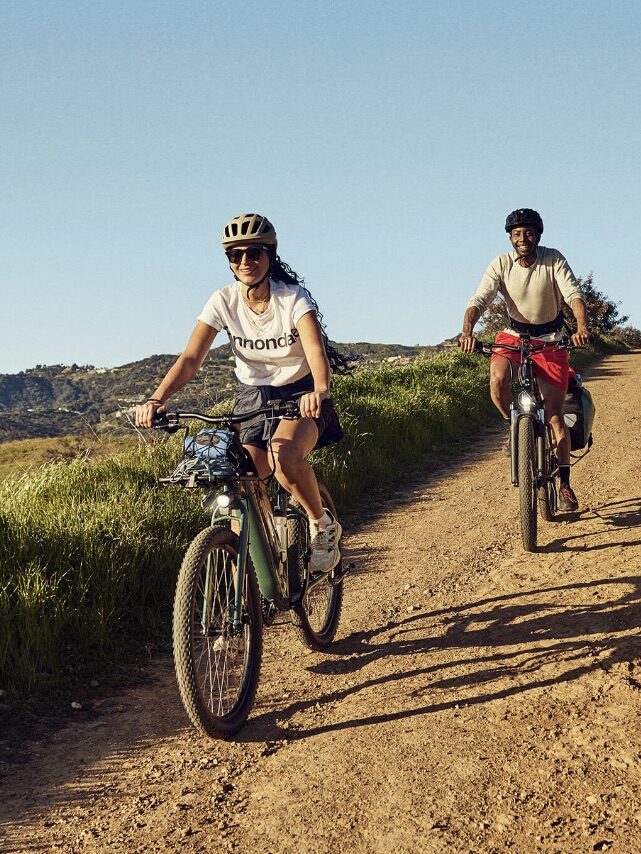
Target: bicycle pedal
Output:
{"points": [[339, 575]]}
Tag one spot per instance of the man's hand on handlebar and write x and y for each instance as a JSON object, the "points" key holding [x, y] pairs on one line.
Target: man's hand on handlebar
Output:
{"points": [[468, 343], [581, 337]]}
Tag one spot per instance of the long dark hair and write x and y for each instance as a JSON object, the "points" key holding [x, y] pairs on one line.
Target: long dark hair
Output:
{"points": [[282, 272]]}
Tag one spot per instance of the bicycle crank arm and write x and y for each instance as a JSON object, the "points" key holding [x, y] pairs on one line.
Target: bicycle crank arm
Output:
{"points": [[339, 575], [319, 577]]}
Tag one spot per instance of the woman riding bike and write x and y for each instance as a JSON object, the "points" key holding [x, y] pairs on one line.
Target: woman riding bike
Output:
{"points": [[281, 351], [534, 281]]}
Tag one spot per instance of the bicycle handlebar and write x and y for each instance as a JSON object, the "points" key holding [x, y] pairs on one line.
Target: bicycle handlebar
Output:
{"points": [[486, 348], [170, 422]]}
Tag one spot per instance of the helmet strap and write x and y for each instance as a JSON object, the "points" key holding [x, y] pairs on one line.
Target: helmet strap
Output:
{"points": [[256, 285]]}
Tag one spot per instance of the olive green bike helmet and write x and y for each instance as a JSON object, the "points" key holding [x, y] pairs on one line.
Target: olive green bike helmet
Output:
{"points": [[249, 228]]}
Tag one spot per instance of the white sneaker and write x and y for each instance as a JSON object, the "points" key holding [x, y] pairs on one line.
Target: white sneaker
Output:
{"points": [[325, 549]]}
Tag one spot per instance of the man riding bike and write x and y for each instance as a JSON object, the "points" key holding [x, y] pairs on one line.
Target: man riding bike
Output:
{"points": [[533, 280]]}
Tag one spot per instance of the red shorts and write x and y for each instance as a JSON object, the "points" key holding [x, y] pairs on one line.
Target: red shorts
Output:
{"points": [[552, 365]]}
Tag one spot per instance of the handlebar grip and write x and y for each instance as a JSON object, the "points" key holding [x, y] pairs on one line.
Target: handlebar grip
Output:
{"points": [[286, 408], [163, 422], [160, 421]]}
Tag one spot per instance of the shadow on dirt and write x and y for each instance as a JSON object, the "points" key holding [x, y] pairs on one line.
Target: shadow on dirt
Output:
{"points": [[621, 515], [533, 644], [526, 639], [600, 371]]}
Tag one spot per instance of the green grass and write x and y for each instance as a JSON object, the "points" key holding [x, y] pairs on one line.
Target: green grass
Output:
{"points": [[88, 553], [90, 549], [394, 416]]}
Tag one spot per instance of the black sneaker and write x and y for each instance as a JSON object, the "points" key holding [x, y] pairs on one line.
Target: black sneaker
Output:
{"points": [[567, 499]]}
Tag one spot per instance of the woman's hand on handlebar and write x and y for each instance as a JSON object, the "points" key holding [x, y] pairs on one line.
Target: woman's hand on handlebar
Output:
{"points": [[146, 412], [310, 403], [468, 343]]}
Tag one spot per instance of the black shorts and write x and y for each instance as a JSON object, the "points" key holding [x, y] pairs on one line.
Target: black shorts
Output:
{"points": [[259, 430]]}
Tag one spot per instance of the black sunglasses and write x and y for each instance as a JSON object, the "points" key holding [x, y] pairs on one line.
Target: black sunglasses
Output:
{"points": [[253, 253]]}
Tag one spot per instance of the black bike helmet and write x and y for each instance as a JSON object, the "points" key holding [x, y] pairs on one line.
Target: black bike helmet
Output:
{"points": [[524, 216]]}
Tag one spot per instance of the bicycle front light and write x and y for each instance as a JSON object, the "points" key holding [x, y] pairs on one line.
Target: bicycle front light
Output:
{"points": [[223, 500], [526, 402]]}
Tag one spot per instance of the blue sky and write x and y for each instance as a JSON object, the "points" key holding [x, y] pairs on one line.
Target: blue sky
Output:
{"points": [[386, 143]]}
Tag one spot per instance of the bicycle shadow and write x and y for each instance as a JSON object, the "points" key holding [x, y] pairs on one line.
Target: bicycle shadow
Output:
{"points": [[629, 517], [541, 636], [598, 372], [625, 514]]}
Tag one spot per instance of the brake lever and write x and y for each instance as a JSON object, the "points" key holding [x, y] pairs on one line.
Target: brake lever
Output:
{"points": [[292, 409], [167, 423], [285, 408]]}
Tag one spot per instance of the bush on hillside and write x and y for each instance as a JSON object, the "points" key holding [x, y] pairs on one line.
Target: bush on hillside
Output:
{"points": [[628, 335]]}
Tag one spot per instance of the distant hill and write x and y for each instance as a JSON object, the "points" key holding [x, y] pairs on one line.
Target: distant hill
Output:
{"points": [[57, 400]]}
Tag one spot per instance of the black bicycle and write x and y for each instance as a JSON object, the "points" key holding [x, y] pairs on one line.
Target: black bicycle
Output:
{"points": [[249, 565], [533, 461]]}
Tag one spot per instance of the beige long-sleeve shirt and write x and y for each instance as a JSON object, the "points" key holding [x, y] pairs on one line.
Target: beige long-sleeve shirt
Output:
{"points": [[532, 294]]}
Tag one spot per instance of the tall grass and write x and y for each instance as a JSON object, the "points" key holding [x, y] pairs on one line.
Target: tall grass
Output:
{"points": [[394, 415], [89, 551]]}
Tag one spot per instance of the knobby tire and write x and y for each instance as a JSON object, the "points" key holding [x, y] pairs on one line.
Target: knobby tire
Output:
{"points": [[546, 497], [217, 672], [527, 483]]}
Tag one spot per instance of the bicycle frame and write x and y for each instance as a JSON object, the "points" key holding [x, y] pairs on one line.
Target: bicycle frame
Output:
{"points": [[259, 540], [529, 404], [238, 499]]}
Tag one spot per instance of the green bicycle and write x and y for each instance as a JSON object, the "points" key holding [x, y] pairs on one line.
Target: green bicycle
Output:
{"points": [[234, 581]]}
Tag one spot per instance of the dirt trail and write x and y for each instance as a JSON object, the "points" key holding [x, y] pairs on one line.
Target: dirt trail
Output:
{"points": [[477, 699]]}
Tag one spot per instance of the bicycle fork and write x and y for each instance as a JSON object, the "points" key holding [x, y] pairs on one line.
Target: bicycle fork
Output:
{"points": [[254, 542], [538, 424]]}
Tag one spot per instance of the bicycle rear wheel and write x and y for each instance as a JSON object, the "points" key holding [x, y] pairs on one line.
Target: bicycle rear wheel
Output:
{"points": [[217, 670], [527, 484], [316, 618]]}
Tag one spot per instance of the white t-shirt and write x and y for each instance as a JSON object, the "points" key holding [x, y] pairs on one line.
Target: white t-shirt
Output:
{"points": [[267, 346]]}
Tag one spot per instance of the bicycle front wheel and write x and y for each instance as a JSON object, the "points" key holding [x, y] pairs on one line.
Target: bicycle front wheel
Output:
{"points": [[546, 494], [217, 667], [527, 483], [316, 618]]}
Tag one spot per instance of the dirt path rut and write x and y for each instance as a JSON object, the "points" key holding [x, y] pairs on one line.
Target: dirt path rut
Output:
{"points": [[478, 699]]}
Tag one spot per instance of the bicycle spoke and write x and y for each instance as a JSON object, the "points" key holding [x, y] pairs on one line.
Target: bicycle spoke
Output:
{"points": [[217, 669], [317, 617]]}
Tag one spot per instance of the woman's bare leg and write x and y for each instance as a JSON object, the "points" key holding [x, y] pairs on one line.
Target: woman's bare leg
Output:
{"points": [[291, 443]]}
